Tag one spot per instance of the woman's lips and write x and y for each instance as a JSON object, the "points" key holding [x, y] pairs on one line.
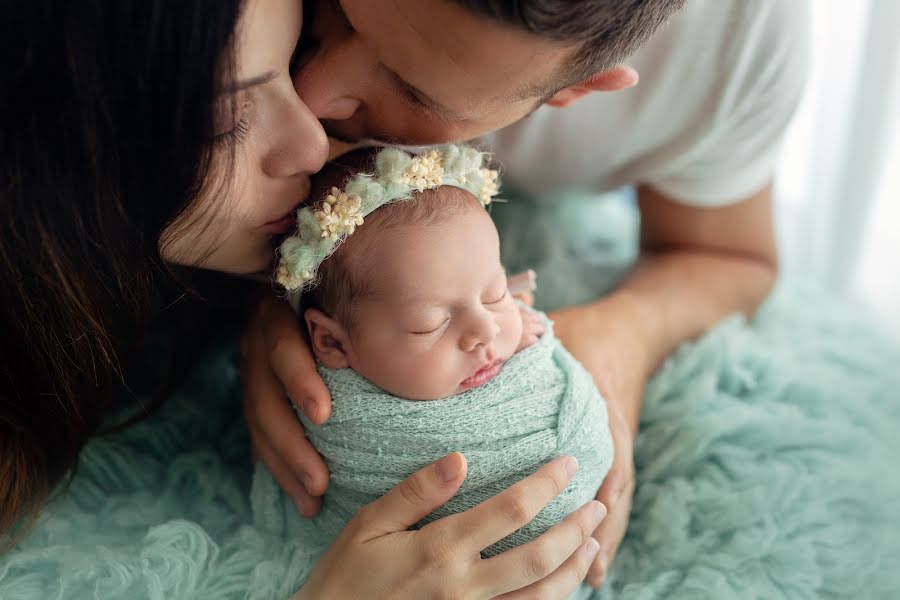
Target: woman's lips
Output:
{"points": [[483, 375]]}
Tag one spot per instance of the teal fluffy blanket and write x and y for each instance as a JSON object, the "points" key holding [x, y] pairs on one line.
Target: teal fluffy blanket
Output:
{"points": [[541, 405], [766, 464]]}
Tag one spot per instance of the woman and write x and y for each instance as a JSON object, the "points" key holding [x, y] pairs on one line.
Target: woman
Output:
{"points": [[142, 135]]}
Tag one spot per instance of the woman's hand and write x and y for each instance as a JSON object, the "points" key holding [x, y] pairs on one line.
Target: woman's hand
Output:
{"points": [[376, 556], [275, 359], [614, 356]]}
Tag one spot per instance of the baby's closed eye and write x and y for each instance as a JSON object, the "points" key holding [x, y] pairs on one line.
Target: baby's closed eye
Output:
{"points": [[498, 297], [431, 329]]}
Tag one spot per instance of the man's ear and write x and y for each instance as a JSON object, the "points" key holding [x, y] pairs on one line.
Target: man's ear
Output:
{"points": [[329, 339], [610, 80]]}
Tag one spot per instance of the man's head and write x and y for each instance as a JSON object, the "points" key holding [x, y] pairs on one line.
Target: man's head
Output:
{"points": [[429, 71]]}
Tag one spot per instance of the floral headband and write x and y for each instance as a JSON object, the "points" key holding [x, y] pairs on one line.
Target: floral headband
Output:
{"points": [[320, 230]]}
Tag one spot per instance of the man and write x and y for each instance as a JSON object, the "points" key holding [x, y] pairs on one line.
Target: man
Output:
{"points": [[558, 84]]}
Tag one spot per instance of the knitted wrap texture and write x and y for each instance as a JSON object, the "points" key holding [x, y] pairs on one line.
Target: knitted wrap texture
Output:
{"points": [[542, 404]]}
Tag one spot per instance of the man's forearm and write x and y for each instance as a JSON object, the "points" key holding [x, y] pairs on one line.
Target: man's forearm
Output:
{"points": [[681, 294], [669, 298]]}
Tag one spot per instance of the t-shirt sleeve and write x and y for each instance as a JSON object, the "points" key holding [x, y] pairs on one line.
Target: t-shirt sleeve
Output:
{"points": [[760, 88]]}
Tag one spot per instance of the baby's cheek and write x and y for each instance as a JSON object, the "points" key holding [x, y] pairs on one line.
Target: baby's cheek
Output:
{"points": [[511, 331]]}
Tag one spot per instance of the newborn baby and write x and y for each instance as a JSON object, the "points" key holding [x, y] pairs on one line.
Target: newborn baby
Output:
{"points": [[423, 347]]}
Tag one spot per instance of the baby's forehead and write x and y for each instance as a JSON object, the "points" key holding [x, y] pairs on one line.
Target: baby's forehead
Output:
{"points": [[425, 262]]}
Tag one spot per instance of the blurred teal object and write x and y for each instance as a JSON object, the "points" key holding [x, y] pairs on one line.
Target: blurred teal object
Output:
{"points": [[766, 461]]}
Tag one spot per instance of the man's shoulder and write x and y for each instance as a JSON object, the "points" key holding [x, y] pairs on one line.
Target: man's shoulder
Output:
{"points": [[711, 66]]}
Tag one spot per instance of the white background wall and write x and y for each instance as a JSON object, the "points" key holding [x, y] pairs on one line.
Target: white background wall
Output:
{"points": [[838, 186]]}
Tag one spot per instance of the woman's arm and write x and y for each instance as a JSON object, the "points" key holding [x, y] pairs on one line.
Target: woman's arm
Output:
{"points": [[378, 556]]}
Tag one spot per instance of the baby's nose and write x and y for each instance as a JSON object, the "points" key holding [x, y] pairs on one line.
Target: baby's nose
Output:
{"points": [[480, 335]]}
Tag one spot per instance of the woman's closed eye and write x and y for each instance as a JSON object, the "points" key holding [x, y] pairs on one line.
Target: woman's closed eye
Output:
{"points": [[432, 330], [231, 122]]}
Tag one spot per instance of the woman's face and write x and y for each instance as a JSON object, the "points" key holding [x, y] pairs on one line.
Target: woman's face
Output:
{"points": [[267, 145]]}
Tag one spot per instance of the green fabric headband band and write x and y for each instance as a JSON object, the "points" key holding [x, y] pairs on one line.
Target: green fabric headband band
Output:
{"points": [[321, 229]]}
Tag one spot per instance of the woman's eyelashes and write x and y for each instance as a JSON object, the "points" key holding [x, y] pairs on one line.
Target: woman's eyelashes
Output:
{"points": [[236, 134], [231, 120]]}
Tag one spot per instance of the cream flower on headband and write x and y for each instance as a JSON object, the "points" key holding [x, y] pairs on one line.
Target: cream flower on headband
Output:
{"points": [[340, 214], [424, 172]]}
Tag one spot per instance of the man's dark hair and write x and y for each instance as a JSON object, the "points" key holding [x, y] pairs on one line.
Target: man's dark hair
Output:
{"points": [[608, 30]]}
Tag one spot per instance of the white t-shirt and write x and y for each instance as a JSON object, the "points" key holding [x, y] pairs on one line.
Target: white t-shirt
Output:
{"points": [[718, 86]]}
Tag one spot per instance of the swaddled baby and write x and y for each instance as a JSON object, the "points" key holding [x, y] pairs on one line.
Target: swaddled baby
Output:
{"points": [[423, 347]]}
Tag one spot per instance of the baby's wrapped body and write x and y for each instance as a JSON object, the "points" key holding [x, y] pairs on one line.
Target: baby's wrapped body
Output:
{"points": [[542, 404]]}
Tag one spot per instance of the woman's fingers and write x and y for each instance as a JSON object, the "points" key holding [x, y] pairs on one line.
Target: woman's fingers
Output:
{"points": [[291, 361], [307, 504], [497, 517], [413, 498], [562, 582], [539, 558]]}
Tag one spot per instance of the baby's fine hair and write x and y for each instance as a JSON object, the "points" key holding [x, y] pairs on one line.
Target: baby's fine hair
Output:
{"points": [[345, 277]]}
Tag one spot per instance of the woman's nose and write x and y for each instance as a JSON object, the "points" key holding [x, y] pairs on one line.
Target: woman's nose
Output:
{"points": [[298, 144], [481, 332]]}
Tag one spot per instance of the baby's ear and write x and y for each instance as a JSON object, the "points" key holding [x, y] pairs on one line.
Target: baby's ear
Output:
{"points": [[329, 339]]}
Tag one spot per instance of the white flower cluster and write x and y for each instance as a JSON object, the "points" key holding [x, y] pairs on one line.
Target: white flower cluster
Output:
{"points": [[425, 171], [491, 186], [340, 214], [290, 281]]}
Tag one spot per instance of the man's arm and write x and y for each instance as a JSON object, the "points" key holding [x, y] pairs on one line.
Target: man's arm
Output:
{"points": [[697, 266]]}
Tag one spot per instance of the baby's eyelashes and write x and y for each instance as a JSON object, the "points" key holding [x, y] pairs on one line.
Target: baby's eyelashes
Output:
{"points": [[500, 299], [432, 330]]}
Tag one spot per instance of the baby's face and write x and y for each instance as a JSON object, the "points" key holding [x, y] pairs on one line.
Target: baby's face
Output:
{"points": [[439, 320]]}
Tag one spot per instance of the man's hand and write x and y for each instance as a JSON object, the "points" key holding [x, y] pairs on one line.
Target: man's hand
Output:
{"points": [[616, 359], [275, 363], [698, 265], [532, 328]]}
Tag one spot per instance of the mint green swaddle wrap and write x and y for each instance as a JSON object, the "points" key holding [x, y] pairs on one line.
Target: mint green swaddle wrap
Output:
{"points": [[542, 404]]}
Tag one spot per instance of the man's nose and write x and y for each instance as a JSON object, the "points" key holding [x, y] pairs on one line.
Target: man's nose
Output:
{"points": [[332, 82]]}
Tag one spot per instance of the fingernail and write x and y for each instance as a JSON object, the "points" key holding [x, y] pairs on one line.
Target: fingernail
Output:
{"points": [[589, 548], [571, 465], [448, 468], [307, 483]]}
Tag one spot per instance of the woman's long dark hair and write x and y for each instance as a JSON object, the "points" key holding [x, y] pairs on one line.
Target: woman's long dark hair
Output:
{"points": [[107, 121]]}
